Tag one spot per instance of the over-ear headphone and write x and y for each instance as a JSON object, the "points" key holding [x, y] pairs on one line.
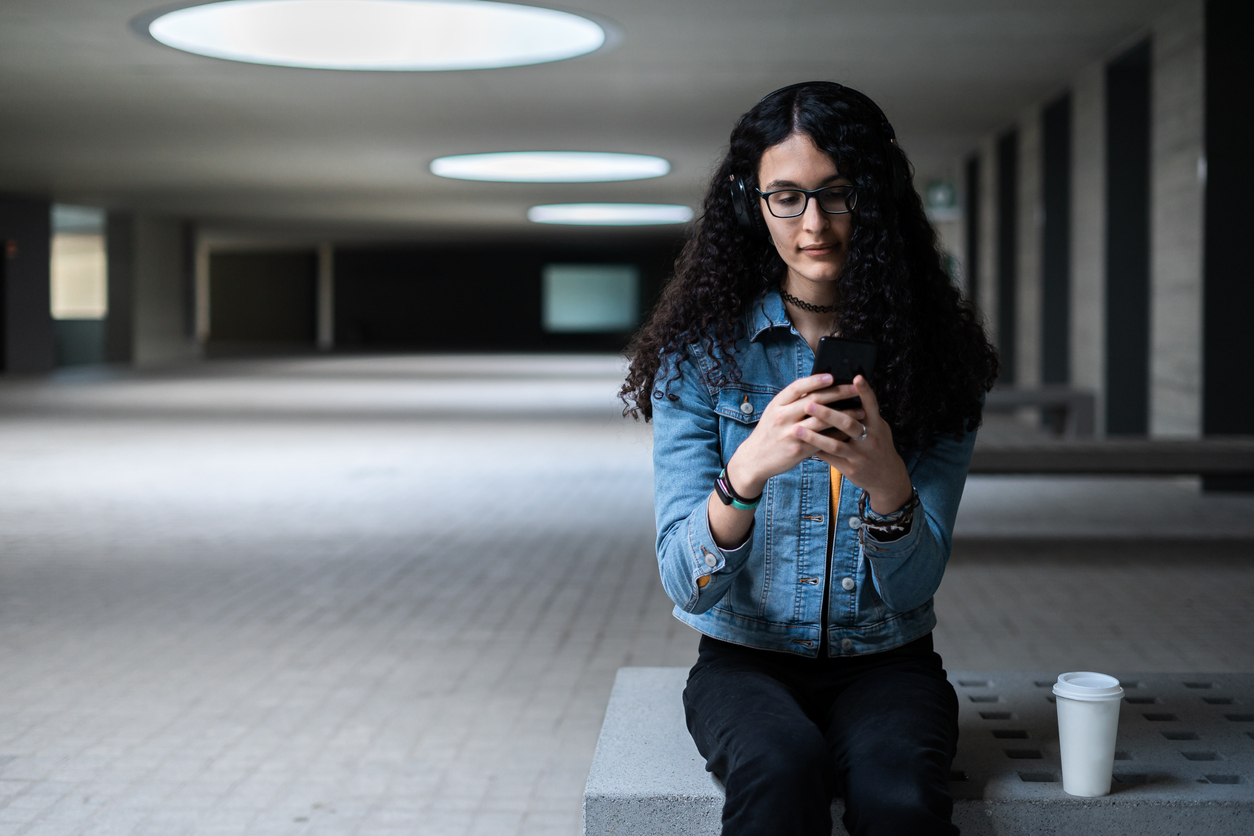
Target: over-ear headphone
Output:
{"points": [[749, 216]]}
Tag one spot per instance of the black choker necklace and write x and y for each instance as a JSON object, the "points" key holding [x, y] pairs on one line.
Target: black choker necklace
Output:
{"points": [[804, 305]]}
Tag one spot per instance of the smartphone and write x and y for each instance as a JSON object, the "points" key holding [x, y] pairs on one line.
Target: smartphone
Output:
{"points": [[843, 358]]}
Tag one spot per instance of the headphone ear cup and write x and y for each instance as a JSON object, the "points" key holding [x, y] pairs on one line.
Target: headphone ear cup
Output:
{"points": [[748, 218]]}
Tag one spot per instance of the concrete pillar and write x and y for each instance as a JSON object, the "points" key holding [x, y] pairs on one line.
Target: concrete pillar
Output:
{"points": [[326, 297], [204, 323], [1176, 162], [987, 255], [27, 340], [1088, 235], [1031, 219], [147, 322]]}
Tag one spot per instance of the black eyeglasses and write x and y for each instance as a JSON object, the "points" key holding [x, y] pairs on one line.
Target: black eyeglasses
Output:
{"points": [[789, 203]]}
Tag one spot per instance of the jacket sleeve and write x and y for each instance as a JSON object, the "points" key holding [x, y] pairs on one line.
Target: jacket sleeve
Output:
{"points": [[686, 460], [907, 571]]}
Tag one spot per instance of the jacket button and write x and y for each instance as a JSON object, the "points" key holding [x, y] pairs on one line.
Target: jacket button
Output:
{"points": [[846, 644], [848, 584], [855, 523], [746, 408], [710, 560]]}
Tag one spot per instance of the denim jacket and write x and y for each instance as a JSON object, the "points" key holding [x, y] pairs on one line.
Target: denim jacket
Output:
{"points": [[768, 592]]}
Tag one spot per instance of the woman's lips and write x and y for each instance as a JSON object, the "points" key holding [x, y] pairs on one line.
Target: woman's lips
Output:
{"points": [[825, 249]]}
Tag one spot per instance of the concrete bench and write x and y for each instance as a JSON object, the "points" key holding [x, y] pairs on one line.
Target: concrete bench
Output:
{"points": [[1231, 456], [1185, 760], [1072, 412]]}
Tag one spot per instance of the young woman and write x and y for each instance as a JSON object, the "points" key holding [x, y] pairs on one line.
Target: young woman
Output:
{"points": [[805, 543]]}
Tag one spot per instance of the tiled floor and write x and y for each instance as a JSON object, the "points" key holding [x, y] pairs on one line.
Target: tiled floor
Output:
{"points": [[389, 596]]}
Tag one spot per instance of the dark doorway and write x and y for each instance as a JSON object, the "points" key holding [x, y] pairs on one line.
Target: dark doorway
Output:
{"points": [[459, 297], [262, 300], [1127, 242], [1228, 290], [1007, 251], [1056, 241]]}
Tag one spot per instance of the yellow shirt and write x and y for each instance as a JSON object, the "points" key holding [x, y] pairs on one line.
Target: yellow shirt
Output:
{"points": [[836, 483]]}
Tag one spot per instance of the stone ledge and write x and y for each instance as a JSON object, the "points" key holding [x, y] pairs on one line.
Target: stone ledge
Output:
{"points": [[1185, 762], [1218, 456]]}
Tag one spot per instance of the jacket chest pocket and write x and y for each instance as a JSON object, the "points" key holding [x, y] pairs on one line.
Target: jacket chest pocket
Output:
{"points": [[739, 408]]}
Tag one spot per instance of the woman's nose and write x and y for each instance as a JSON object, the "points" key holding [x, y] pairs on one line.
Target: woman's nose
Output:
{"points": [[814, 219]]}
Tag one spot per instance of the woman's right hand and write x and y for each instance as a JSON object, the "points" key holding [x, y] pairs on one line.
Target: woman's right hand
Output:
{"points": [[773, 447]]}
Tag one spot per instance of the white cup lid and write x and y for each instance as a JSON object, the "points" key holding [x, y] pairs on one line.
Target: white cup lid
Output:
{"points": [[1088, 686]]}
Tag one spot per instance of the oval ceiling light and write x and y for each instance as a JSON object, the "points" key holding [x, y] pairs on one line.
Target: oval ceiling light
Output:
{"points": [[378, 34], [609, 214], [550, 167]]}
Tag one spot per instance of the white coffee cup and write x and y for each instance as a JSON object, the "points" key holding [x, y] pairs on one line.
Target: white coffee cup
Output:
{"points": [[1088, 723]]}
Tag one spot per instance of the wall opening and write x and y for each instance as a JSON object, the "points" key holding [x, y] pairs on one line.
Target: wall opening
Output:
{"points": [[79, 285], [1056, 243], [262, 301], [1128, 242]]}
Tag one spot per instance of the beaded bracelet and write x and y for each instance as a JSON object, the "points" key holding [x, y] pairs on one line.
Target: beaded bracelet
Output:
{"points": [[728, 496], [891, 526]]}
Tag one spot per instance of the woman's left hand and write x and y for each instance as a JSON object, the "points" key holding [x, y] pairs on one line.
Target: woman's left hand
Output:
{"points": [[867, 458]]}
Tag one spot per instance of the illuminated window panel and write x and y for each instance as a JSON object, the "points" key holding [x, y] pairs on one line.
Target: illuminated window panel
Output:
{"points": [[590, 298]]}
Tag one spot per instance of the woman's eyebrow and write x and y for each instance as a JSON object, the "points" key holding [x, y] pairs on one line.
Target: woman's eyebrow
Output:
{"points": [[788, 184]]}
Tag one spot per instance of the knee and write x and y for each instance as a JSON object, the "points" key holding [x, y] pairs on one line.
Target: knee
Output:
{"points": [[791, 764], [784, 788], [902, 806]]}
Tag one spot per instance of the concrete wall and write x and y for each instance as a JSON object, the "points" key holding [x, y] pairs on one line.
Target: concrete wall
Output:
{"points": [[1177, 193], [1176, 149]]}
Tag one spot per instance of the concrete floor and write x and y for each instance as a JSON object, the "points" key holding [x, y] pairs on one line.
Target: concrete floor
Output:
{"points": [[378, 596]]}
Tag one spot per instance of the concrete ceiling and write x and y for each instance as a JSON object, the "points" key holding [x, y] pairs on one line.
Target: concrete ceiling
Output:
{"points": [[94, 113]]}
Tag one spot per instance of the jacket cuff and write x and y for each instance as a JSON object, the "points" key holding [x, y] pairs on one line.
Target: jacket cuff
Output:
{"points": [[705, 556]]}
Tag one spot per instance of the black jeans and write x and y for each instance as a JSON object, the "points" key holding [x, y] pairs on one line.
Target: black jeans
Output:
{"points": [[785, 734]]}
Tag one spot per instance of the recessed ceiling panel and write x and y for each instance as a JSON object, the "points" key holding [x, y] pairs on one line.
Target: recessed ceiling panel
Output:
{"points": [[378, 34], [550, 167], [609, 214]]}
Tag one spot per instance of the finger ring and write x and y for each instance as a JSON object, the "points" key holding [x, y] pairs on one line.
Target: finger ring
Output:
{"points": [[863, 436]]}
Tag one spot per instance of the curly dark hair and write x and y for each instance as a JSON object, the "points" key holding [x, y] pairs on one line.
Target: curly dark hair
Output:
{"points": [[935, 362]]}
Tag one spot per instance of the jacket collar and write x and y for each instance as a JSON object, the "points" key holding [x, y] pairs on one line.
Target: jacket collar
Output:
{"points": [[767, 312]]}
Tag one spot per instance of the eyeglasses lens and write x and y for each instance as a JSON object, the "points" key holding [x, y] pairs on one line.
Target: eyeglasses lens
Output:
{"points": [[833, 200], [786, 204]]}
